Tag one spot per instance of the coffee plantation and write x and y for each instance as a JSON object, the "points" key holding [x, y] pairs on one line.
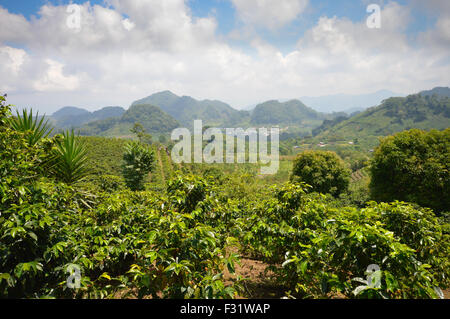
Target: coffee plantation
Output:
{"points": [[182, 232]]}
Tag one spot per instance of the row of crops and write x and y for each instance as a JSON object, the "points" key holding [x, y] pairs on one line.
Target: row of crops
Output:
{"points": [[193, 224], [178, 244]]}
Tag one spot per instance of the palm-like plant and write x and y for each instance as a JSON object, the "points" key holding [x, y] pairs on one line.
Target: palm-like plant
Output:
{"points": [[32, 126], [69, 160], [138, 160]]}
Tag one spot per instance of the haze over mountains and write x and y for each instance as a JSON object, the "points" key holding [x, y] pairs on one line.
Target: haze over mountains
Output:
{"points": [[162, 112], [439, 91], [70, 116], [347, 102], [151, 117], [186, 109]]}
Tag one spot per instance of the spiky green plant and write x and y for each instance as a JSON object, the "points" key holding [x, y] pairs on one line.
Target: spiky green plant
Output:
{"points": [[139, 160], [33, 127], [69, 161]]}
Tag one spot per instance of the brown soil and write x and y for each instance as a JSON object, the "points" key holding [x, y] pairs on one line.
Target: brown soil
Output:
{"points": [[257, 283], [260, 285]]}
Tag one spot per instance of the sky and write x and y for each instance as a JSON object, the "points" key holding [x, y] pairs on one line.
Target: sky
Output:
{"points": [[100, 53]]}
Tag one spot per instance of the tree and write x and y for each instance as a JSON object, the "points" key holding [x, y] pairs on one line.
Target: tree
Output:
{"points": [[413, 166], [325, 171], [141, 133], [138, 161], [20, 161]]}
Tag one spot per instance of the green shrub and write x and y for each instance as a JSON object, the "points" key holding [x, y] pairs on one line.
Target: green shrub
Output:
{"points": [[324, 171], [413, 166], [325, 250], [138, 161]]}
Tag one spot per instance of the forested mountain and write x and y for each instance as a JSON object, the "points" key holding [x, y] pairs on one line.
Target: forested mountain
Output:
{"points": [[71, 117], [393, 115], [152, 118], [439, 91], [216, 113], [292, 112], [186, 109], [164, 111]]}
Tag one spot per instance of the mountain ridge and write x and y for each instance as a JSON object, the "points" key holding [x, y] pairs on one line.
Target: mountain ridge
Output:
{"points": [[71, 116], [151, 117], [393, 115]]}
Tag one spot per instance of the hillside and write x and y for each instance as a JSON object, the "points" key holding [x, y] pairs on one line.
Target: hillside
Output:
{"points": [[439, 91], [152, 118], [292, 112], [393, 115], [186, 109], [70, 117]]}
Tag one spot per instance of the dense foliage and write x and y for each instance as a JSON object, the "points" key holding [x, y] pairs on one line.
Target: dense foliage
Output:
{"points": [[413, 166], [152, 118], [325, 251], [182, 236], [324, 171], [34, 127], [138, 161], [288, 113], [393, 115]]}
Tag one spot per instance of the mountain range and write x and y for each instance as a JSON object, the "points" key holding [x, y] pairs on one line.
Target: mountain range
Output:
{"points": [[151, 117], [160, 112], [164, 111], [186, 109], [69, 116]]}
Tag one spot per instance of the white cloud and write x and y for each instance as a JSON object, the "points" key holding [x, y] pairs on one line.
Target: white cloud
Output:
{"points": [[439, 37], [163, 47], [128, 25], [268, 13], [54, 79], [12, 59]]}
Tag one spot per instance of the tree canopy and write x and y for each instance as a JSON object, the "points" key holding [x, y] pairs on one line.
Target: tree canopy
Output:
{"points": [[325, 171], [413, 166]]}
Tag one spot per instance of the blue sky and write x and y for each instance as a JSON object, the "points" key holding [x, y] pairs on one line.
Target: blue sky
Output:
{"points": [[225, 13], [238, 51]]}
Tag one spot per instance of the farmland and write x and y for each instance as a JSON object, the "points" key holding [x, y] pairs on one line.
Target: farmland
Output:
{"points": [[202, 231]]}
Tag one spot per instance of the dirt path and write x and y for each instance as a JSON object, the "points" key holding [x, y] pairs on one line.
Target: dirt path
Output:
{"points": [[257, 284], [261, 285]]}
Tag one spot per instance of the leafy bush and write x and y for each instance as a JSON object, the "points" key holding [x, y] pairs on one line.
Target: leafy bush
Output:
{"points": [[413, 166], [325, 250], [111, 183], [178, 241], [324, 171], [138, 161]]}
